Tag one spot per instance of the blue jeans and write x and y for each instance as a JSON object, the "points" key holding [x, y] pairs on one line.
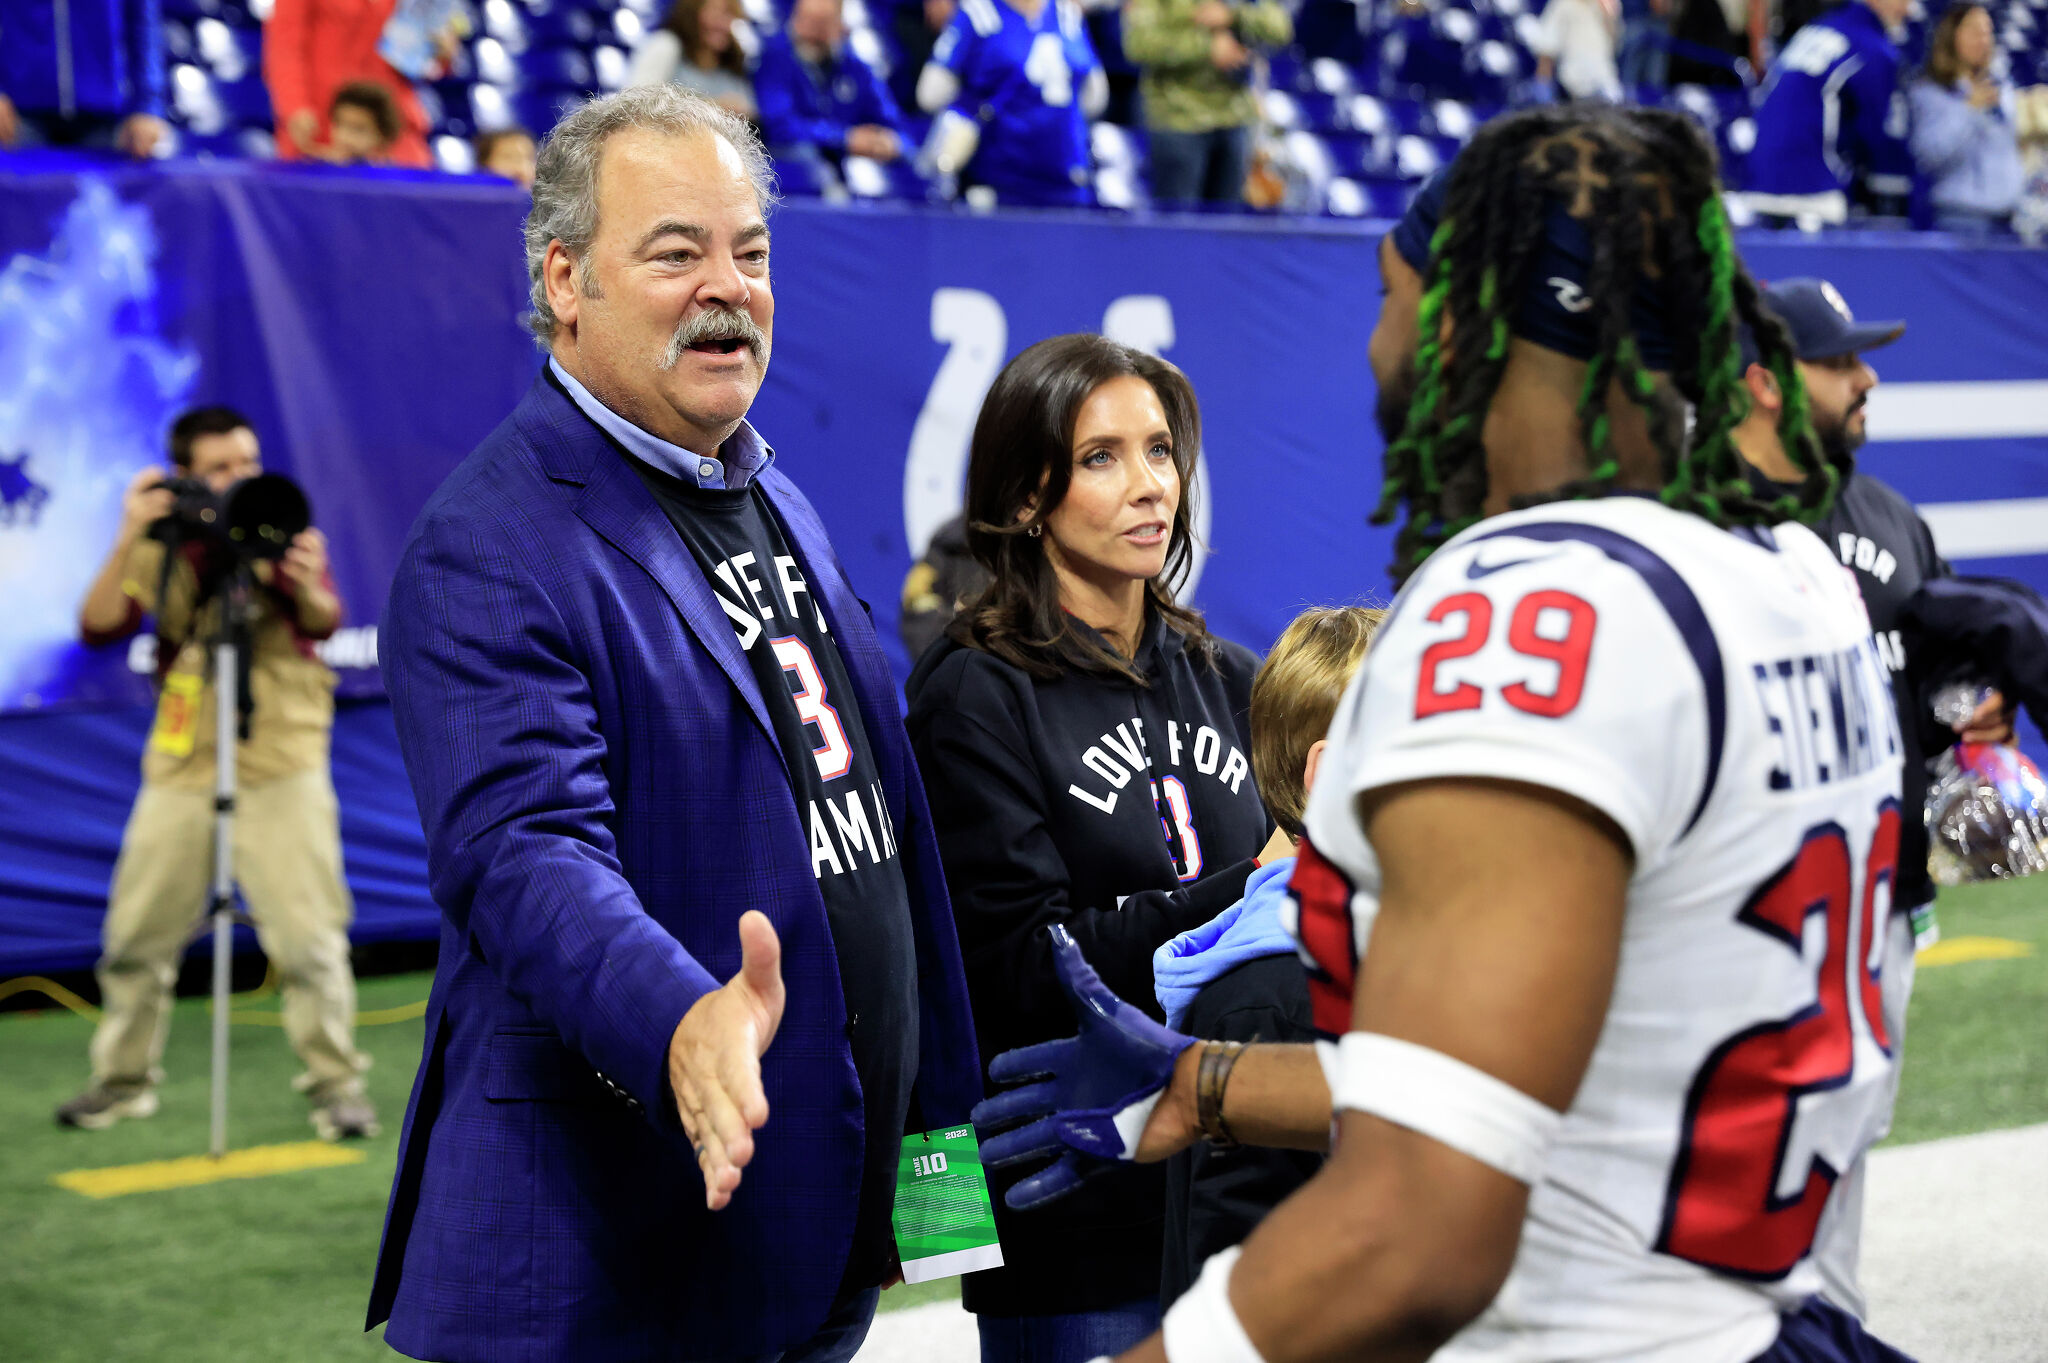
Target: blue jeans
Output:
{"points": [[1192, 168], [1074, 1338], [1645, 60], [838, 1339]]}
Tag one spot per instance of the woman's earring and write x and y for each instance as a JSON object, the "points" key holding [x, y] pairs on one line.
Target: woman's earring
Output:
{"points": [[1033, 532]]}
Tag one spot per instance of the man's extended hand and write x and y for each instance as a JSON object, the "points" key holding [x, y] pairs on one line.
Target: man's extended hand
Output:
{"points": [[714, 1060], [1101, 1094]]}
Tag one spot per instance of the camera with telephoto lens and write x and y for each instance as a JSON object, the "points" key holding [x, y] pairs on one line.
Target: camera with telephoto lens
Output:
{"points": [[255, 518]]}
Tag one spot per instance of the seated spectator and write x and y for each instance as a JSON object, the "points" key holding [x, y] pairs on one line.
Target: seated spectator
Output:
{"points": [[1195, 57], [362, 123], [1575, 49], [311, 48], [1237, 977], [1015, 85], [818, 99], [86, 74], [1963, 134], [696, 47], [1828, 125], [507, 154]]}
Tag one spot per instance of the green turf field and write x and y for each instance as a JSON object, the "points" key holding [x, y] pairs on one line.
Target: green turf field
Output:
{"points": [[278, 1268]]}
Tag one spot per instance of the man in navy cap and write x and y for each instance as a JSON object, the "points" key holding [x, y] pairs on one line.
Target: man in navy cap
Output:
{"points": [[1883, 540]]}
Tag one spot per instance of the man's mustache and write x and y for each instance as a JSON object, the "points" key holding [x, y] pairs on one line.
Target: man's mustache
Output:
{"points": [[716, 324]]}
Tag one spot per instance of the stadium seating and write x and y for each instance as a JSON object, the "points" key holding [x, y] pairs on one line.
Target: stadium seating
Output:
{"points": [[1371, 100]]}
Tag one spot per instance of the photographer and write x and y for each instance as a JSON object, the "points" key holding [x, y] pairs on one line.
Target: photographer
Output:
{"points": [[287, 854]]}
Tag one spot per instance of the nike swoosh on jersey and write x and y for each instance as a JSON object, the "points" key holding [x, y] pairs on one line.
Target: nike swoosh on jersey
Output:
{"points": [[1476, 570]]}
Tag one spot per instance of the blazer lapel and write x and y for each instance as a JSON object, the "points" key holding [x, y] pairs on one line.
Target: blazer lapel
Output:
{"points": [[618, 506]]}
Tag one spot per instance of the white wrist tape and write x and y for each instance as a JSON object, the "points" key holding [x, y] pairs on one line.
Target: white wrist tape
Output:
{"points": [[1202, 1327], [1444, 1099]]}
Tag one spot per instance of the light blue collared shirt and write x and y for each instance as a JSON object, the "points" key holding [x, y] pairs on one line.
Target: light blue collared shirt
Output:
{"points": [[745, 454]]}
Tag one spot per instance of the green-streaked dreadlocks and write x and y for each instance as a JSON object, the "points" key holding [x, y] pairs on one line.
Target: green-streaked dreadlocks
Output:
{"points": [[1643, 182]]}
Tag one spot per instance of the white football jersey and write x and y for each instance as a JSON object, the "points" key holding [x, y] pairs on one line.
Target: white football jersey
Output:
{"points": [[1718, 696]]}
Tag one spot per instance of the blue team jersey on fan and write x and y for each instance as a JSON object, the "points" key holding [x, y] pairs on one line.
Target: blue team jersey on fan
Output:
{"points": [[1832, 112], [1021, 81]]}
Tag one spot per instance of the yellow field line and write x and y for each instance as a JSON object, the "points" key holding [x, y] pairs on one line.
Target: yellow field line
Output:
{"points": [[155, 1176], [1963, 950], [57, 993]]}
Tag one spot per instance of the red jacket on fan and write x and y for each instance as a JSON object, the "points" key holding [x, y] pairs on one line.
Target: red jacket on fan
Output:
{"points": [[311, 48]]}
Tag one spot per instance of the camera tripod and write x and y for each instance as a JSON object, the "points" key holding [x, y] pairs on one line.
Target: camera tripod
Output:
{"points": [[231, 703]]}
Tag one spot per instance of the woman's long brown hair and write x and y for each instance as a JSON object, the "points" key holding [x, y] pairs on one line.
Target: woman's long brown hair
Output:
{"points": [[685, 20], [1943, 66], [1020, 464]]}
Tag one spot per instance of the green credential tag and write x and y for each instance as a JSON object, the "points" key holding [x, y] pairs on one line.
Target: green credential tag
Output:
{"points": [[944, 1224]]}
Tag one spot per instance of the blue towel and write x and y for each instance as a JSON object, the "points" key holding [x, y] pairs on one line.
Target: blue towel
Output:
{"points": [[1246, 931]]}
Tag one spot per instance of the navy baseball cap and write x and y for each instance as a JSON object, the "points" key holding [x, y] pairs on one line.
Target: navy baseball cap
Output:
{"points": [[1821, 324], [1555, 313]]}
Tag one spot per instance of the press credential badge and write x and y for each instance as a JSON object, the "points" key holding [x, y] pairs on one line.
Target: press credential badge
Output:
{"points": [[944, 1223]]}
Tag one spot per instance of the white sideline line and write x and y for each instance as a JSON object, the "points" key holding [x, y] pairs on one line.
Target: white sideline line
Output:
{"points": [[2017, 525], [1959, 411]]}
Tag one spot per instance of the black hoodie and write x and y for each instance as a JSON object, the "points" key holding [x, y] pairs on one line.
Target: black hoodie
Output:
{"points": [[1041, 798]]}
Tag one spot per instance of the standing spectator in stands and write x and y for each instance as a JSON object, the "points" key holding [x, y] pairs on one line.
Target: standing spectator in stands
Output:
{"points": [[1963, 134], [1196, 62], [1083, 742], [819, 101], [1646, 44], [507, 154], [362, 123], [697, 48], [311, 48], [89, 73], [1576, 49], [1832, 121], [287, 845], [1016, 84]]}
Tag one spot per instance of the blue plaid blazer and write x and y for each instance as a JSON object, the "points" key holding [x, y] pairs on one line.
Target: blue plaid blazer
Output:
{"points": [[603, 797]]}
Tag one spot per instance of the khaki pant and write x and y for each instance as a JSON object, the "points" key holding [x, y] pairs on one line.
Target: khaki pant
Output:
{"points": [[287, 861]]}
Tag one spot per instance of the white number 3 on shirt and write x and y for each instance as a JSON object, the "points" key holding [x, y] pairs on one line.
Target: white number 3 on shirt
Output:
{"points": [[834, 754]]}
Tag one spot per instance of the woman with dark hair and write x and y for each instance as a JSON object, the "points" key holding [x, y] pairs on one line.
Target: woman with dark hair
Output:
{"points": [[697, 46], [1963, 134], [1083, 739]]}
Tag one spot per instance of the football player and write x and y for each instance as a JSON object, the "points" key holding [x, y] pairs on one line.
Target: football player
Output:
{"points": [[1596, 887], [1014, 83]]}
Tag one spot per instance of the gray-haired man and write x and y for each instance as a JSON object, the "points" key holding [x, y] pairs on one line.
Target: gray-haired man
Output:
{"points": [[655, 746]]}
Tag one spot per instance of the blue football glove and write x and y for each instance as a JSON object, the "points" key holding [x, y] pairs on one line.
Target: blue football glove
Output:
{"points": [[1096, 1090]]}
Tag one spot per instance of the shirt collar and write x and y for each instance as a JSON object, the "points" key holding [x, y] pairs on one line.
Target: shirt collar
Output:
{"points": [[743, 455]]}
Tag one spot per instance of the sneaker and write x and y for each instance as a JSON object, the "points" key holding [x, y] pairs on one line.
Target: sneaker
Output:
{"points": [[99, 1107], [346, 1116]]}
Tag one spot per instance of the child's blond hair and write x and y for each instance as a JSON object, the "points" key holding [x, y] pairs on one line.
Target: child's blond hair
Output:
{"points": [[1295, 696]]}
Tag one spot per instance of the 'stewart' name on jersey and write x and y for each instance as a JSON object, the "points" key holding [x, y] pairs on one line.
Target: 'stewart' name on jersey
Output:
{"points": [[1717, 696]]}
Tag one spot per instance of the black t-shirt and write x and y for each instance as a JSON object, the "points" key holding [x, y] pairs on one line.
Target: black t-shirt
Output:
{"points": [[781, 628], [1881, 538], [1042, 799]]}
